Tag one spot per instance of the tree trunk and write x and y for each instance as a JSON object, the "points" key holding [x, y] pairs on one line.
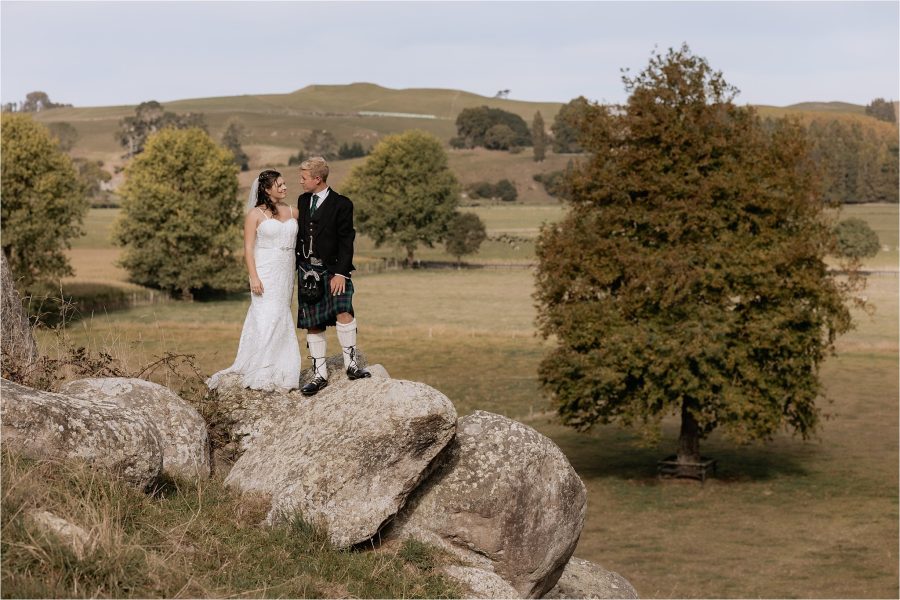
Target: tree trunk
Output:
{"points": [[689, 439], [18, 347], [409, 256]]}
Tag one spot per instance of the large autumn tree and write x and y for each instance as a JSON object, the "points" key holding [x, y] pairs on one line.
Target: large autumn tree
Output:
{"points": [[688, 276]]}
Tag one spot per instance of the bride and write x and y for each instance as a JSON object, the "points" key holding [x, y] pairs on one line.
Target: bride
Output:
{"points": [[268, 355]]}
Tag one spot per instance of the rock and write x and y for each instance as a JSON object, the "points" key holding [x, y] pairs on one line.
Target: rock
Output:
{"points": [[68, 533], [184, 438], [252, 411], [46, 425], [584, 579], [504, 499], [481, 583], [348, 457]]}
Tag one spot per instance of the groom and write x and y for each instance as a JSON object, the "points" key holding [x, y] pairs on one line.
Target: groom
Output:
{"points": [[325, 243]]}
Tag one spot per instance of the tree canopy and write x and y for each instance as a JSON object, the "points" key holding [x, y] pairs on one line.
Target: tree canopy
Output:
{"points": [[231, 139], [465, 235], [404, 193], [882, 109], [688, 275], [855, 239], [565, 126], [43, 201], [150, 117], [181, 218], [538, 137], [492, 128]]}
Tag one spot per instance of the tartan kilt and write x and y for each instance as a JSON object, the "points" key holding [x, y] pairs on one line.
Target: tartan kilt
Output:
{"points": [[325, 311]]}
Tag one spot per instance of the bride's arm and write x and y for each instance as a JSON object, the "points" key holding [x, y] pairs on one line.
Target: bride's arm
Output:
{"points": [[251, 222]]}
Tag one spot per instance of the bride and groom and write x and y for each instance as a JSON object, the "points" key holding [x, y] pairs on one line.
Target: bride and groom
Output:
{"points": [[280, 240]]}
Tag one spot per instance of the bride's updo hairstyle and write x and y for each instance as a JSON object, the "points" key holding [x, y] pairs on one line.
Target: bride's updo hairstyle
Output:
{"points": [[266, 179]]}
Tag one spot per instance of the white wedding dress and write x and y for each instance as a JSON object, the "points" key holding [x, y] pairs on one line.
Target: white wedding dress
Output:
{"points": [[268, 355]]}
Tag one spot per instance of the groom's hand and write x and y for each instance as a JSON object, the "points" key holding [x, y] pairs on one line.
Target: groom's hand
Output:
{"points": [[338, 283]]}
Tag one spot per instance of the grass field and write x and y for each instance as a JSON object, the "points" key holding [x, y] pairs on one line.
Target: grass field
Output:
{"points": [[784, 519]]}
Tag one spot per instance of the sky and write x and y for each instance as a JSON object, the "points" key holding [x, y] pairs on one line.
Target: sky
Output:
{"points": [[122, 53]]}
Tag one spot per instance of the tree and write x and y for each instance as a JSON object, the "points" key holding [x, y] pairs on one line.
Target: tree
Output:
{"points": [[43, 201], [473, 124], [538, 137], [464, 235], [565, 126], [354, 150], [499, 137], [150, 117], [231, 139], [404, 193], [688, 276], [93, 176], [855, 239], [322, 143], [882, 109], [65, 134], [181, 218], [506, 190], [38, 101]]}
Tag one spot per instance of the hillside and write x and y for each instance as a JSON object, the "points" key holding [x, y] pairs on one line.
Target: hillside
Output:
{"points": [[275, 124]]}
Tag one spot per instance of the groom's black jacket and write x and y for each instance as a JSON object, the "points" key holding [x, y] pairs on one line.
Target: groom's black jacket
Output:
{"points": [[332, 232]]}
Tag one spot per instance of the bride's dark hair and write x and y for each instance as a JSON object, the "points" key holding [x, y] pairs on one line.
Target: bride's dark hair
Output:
{"points": [[266, 179]]}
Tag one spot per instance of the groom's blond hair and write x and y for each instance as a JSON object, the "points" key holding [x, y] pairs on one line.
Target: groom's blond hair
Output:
{"points": [[316, 166]]}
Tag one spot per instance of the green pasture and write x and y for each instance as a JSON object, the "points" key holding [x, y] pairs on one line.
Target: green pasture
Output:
{"points": [[784, 519], [789, 518]]}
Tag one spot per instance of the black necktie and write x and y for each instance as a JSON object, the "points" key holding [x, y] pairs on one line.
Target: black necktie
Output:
{"points": [[315, 204]]}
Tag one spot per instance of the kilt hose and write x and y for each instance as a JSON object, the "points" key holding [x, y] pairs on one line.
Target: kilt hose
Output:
{"points": [[325, 311]]}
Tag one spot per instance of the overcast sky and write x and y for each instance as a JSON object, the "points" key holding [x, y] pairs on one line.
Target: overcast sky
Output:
{"points": [[111, 53]]}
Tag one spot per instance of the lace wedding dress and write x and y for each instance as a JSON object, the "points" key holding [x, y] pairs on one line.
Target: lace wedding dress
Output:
{"points": [[268, 355]]}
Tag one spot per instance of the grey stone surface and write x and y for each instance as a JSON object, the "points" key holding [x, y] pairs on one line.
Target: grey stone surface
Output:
{"points": [[183, 432], [253, 411], [46, 425], [68, 533], [504, 499], [346, 458], [584, 579], [480, 583]]}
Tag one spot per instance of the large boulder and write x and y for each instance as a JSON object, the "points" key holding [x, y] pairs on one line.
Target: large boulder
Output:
{"points": [[584, 579], [504, 499], [183, 431], [346, 458], [46, 425], [252, 412]]}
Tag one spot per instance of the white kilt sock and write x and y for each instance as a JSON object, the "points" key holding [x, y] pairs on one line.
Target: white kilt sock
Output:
{"points": [[346, 333], [317, 344]]}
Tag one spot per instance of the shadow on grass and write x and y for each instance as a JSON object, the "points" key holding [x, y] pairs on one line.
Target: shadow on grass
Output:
{"points": [[609, 452]]}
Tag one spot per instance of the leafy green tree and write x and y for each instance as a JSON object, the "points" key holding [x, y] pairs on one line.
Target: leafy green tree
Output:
{"points": [[231, 139], [473, 124], [43, 201], [688, 276], [150, 117], [565, 126], [38, 101], [465, 234], [404, 193], [506, 190], [499, 137], [855, 239], [882, 109], [538, 137], [93, 176], [181, 218], [64, 133]]}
